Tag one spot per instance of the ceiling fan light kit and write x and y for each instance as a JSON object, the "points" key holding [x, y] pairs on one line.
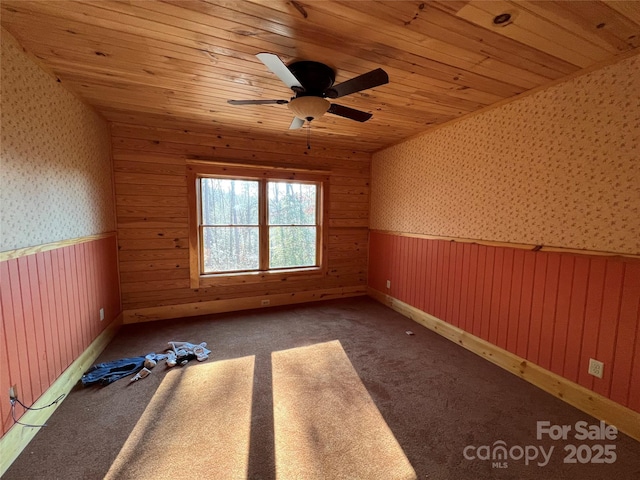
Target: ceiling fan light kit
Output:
{"points": [[309, 108]]}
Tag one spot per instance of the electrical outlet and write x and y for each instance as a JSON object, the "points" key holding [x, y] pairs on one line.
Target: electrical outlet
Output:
{"points": [[13, 392], [388, 283], [101, 314], [265, 302], [596, 368]]}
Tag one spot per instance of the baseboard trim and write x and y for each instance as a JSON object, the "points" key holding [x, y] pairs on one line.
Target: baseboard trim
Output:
{"points": [[18, 437], [590, 402], [236, 304]]}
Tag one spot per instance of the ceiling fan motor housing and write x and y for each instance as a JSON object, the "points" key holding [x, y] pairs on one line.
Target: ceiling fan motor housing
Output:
{"points": [[315, 77]]}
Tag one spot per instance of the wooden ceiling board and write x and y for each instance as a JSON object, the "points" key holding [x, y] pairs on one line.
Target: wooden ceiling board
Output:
{"points": [[177, 62]]}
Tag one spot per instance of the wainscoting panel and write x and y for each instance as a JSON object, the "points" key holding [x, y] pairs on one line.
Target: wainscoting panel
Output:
{"points": [[50, 314], [555, 309]]}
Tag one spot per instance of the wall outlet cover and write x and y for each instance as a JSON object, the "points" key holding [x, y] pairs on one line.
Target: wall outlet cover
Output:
{"points": [[101, 314], [596, 368]]}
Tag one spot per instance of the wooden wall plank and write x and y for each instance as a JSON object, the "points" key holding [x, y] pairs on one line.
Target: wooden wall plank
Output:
{"points": [[94, 298], [626, 336], [428, 292], [505, 295], [435, 274], [42, 287], [395, 267], [593, 311], [388, 261], [445, 254], [549, 310], [419, 272], [608, 330], [72, 299], [470, 286], [514, 300], [563, 304], [457, 291], [485, 316], [404, 267], [411, 270], [634, 382], [40, 354], [17, 369], [59, 287], [464, 285], [451, 281], [422, 274], [492, 334], [539, 275], [5, 382], [54, 320], [480, 289], [575, 326], [83, 308], [526, 296], [28, 323]]}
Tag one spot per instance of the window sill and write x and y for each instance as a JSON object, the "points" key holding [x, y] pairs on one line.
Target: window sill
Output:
{"points": [[244, 278]]}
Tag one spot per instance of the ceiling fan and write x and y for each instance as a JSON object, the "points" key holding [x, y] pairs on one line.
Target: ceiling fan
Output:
{"points": [[312, 84]]}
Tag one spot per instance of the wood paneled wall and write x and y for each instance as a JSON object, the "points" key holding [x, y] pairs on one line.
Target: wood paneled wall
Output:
{"points": [[50, 314], [556, 310], [151, 198]]}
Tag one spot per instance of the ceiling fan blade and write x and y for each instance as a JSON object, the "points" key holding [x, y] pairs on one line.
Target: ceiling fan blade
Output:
{"points": [[257, 102], [357, 115], [277, 66], [296, 123], [372, 79]]}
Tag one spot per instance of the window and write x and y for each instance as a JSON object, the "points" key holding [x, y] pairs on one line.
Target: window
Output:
{"points": [[254, 224]]}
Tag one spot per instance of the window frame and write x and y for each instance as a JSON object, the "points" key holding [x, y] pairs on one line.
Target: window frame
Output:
{"points": [[200, 169]]}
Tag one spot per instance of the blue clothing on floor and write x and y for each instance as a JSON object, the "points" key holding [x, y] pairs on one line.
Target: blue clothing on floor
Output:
{"points": [[108, 372]]}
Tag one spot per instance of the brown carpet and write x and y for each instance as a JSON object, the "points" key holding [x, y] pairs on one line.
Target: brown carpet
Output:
{"points": [[326, 425], [210, 402], [435, 397]]}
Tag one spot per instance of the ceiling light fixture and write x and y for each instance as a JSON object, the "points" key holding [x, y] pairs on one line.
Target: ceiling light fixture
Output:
{"points": [[309, 108]]}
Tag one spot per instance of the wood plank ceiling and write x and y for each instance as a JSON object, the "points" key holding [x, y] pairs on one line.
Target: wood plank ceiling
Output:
{"points": [[175, 63]]}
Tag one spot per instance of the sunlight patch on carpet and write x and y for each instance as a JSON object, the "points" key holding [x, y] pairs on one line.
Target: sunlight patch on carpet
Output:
{"points": [[197, 425], [326, 424]]}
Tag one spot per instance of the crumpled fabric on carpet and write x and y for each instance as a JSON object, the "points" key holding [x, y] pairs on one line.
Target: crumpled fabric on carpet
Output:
{"points": [[183, 350], [179, 354], [108, 372]]}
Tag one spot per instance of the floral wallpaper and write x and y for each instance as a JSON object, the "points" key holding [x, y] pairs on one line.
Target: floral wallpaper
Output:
{"points": [[55, 171], [557, 168]]}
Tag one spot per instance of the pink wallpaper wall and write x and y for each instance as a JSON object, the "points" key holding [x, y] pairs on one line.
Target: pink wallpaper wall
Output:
{"points": [[56, 162], [557, 168]]}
